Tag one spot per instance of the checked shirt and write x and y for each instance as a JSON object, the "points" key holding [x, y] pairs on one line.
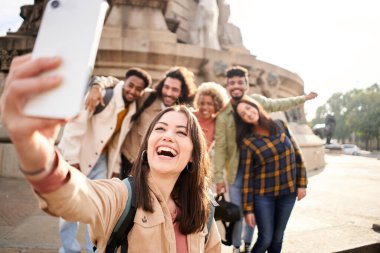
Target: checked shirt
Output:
{"points": [[272, 166]]}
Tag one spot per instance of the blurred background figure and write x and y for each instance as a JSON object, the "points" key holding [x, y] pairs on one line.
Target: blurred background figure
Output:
{"points": [[329, 127]]}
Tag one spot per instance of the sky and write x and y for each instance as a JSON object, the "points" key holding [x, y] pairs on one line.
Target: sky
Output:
{"points": [[333, 45]]}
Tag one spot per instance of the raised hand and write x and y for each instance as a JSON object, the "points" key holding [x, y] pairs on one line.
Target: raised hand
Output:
{"points": [[32, 137], [311, 96], [94, 97]]}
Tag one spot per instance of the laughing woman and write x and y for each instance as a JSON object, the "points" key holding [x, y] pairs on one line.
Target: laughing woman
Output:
{"points": [[209, 100], [274, 173], [171, 175]]}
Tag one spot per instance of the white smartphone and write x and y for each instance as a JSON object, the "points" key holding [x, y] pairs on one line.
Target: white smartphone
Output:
{"points": [[70, 29]]}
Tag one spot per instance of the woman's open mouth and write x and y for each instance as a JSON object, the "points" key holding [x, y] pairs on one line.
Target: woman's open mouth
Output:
{"points": [[166, 151]]}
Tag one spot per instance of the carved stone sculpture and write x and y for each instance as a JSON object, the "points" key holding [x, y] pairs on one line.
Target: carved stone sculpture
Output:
{"points": [[204, 29], [32, 15], [229, 34]]}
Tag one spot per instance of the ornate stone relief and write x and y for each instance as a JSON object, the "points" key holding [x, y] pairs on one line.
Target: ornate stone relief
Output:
{"points": [[220, 67], [272, 79], [256, 76], [6, 57], [160, 4]]}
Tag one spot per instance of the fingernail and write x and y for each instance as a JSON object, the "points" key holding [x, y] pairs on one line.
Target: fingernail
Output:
{"points": [[54, 59], [54, 79]]}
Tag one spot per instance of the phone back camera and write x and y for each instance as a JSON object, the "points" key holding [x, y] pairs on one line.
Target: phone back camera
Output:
{"points": [[55, 3]]}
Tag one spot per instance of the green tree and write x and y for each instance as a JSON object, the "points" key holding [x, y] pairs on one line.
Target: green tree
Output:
{"points": [[363, 115], [356, 112], [335, 106]]}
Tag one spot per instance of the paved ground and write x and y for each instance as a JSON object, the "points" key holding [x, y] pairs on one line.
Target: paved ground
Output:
{"points": [[338, 213]]}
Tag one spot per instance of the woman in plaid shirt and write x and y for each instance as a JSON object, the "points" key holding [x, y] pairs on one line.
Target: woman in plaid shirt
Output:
{"points": [[274, 174]]}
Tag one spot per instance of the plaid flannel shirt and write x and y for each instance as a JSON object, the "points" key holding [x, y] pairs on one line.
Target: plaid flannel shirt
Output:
{"points": [[272, 166]]}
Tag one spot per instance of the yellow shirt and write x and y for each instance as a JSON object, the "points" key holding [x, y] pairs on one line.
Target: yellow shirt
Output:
{"points": [[120, 117]]}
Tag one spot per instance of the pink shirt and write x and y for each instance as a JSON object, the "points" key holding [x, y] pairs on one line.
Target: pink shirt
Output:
{"points": [[208, 127], [180, 239]]}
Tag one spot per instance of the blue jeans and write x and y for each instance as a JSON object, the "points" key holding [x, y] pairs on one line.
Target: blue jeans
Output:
{"points": [[235, 191], [68, 229], [272, 215]]}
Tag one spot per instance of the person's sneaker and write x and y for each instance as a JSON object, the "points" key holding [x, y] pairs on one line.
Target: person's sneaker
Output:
{"points": [[235, 250]]}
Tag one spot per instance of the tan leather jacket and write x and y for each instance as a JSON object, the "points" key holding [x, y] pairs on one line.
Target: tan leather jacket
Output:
{"points": [[100, 203]]}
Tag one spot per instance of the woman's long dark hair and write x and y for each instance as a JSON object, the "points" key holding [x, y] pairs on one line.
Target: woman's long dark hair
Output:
{"points": [[244, 129], [190, 192]]}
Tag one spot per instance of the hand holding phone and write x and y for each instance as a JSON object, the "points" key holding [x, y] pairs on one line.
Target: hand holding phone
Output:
{"points": [[70, 29]]}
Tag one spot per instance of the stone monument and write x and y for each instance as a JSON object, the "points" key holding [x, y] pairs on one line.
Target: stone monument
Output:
{"points": [[158, 34], [204, 28]]}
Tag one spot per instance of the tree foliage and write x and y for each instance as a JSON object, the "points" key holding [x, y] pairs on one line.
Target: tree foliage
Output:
{"points": [[356, 112]]}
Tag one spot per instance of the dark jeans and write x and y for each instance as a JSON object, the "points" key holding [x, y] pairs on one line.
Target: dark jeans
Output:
{"points": [[272, 215], [241, 230]]}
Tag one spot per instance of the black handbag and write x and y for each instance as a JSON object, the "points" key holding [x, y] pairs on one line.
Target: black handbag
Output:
{"points": [[226, 211]]}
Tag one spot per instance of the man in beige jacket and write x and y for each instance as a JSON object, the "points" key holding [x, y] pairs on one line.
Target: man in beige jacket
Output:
{"points": [[176, 87], [92, 142]]}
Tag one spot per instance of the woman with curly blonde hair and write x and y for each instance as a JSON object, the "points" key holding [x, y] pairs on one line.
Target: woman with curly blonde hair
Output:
{"points": [[209, 100]]}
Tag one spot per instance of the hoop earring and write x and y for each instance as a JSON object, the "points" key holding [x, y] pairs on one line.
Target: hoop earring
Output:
{"points": [[144, 156], [189, 167]]}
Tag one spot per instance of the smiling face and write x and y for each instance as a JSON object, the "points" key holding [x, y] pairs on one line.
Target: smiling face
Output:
{"points": [[236, 87], [248, 113], [133, 88], [206, 106], [171, 91], [169, 145]]}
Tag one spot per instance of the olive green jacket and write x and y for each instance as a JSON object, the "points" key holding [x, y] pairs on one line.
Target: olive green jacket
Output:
{"points": [[226, 156]]}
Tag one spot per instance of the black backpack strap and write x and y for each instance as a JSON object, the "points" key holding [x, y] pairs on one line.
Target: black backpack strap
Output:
{"points": [[125, 223], [107, 98]]}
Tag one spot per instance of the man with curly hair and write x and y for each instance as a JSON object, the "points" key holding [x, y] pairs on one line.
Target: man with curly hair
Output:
{"points": [[176, 87]]}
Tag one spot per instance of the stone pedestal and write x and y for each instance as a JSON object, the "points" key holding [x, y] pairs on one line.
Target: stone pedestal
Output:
{"points": [[312, 147]]}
